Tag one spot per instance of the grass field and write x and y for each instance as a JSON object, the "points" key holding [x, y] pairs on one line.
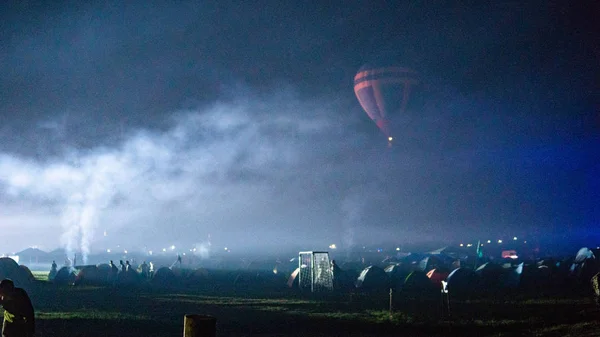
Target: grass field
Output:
{"points": [[108, 311]]}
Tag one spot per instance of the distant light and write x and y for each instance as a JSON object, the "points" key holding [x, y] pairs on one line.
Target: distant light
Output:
{"points": [[274, 270], [194, 249], [105, 234], [461, 245], [482, 245], [172, 247], [125, 251], [390, 139], [225, 248], [191, 250], [379, 250], [397, 249], [183, 254], [489, 241], [164, 249], [499, 241], [332, 246], [108, 250], [149, 252], [526, 242], [515, 238], [469, 245]]}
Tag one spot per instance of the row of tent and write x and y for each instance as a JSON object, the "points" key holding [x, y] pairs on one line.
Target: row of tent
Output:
{"points": [[167, 277], [426, 273]]}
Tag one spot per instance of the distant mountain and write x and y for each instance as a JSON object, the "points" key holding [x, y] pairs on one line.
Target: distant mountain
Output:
{"points": [[32, 252]]}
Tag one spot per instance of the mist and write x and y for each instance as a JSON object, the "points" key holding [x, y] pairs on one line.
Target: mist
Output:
{"points": [[169, 125]]}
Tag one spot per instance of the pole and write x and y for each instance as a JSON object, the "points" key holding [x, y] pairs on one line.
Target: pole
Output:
{"points": [[391, 306], [199, 326]]}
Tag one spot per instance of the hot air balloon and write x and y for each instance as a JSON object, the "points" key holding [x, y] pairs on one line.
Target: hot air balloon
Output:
{"points": [[386, 94]]}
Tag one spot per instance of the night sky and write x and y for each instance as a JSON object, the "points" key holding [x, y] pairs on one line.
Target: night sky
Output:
{"points": [[165, 123]]}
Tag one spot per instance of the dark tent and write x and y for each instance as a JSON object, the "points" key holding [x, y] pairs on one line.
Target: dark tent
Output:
{"points": [[397, 273], [92, 275], [26, 274], [8, 268], [373, 278], [197, 277], [462, 282], [130, 277], [417, 282], [20, 275], [164, 276], [512, 278], [65, 275], [489, 275], [430, 262]]}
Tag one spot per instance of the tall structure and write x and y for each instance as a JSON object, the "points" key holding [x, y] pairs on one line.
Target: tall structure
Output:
{"points": [[315, 271]]}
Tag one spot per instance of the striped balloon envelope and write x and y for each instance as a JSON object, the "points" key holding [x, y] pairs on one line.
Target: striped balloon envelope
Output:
{"points": [[384, 92]]}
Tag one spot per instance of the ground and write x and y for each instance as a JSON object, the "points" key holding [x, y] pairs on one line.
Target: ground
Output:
{"points": [[105, 311]]}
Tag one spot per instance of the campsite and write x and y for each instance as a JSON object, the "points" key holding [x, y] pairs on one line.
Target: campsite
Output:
{"points": [[520, 298]]}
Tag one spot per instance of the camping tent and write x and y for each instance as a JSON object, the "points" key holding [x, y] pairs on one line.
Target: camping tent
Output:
{"points": [[164, 276], [462, 282], [372, 278]]}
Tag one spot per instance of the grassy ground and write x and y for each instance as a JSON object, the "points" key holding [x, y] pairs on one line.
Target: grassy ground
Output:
{"points": [[107, 311]]}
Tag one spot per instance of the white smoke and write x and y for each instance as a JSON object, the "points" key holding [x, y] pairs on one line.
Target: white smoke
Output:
{"points": [[352, 208], [202, 250], [192, 166]]}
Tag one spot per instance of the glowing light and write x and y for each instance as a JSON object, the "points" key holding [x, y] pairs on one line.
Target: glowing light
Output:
{"points": [[390, 139], [332, 246], [149, 252], [526, 242], [461, 245], [105, 233], [172, 247], [397, 249], [125, 251], [108, 250], [515, 238], [469, 245], [489, 241], [499, 241], [183, 254], [225, 248], [164, 249], [274, 270], [194, 249]]}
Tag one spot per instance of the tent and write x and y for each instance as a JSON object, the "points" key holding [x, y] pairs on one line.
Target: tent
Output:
{"points": [[430, 262], [293, 279], [417, 282], [462, 282], [489, 275], [373, 278], [397, 273], [92, 275], [436, 276], [164, 276], [20, 275], [65, 275], [26, 274]]}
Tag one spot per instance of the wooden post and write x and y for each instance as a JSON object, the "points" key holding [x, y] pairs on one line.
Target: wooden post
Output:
{"points": [[199, 326], [391, 302]]}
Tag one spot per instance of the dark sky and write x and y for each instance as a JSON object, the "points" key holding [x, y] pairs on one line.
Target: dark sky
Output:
{"points": [[161, 124]]}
